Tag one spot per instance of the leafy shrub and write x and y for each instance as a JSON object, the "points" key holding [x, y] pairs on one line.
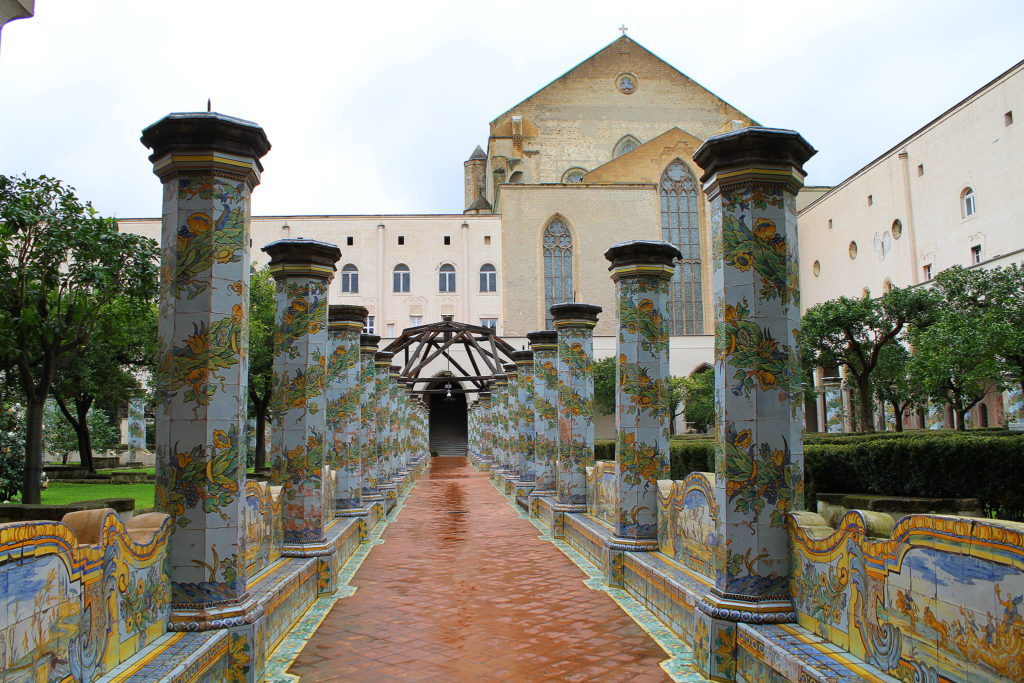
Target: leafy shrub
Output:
{"points": [[988, 465]]}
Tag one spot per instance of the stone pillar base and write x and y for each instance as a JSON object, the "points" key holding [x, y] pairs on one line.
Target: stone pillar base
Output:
{"points": [[352, 512], [715, 627]]}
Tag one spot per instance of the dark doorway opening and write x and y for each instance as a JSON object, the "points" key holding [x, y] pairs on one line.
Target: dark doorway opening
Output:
{"points": [[447, 419]]}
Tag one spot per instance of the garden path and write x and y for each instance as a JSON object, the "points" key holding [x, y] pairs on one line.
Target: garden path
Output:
{"points": [[464, 589]]}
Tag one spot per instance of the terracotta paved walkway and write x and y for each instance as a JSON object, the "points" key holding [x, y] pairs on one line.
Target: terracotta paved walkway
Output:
{"points": [[463, 589]]}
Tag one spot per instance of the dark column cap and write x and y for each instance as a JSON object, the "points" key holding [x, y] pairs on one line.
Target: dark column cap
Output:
{"points": [[573, 311], [344, 313], [542, 337], [642, 252], [753, 147], [302, 257], [369, 340], [383, 357], [209, 131], [522, 356]]}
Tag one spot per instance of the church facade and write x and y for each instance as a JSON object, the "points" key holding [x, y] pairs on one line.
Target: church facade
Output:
{"points": [[603, 154]]}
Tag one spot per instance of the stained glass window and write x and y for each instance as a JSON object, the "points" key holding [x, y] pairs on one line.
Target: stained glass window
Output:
{"points": [[557, 266], [626, 144], [680, 225]]}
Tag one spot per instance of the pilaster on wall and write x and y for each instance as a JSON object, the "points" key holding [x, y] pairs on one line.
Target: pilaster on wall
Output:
{"points": [[751, 180], [208, 164], [302, 269], [575, 324]]}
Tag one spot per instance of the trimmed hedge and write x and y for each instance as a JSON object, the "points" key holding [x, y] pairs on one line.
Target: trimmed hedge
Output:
{"points": [[988, 465]]}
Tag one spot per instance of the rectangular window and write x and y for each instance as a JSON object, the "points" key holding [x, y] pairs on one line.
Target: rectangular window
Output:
{"points": [[871, 200], [349, 280], [369, 326], [391, 329], [349, 241], [1008, 118], [928, 272], [487, 239], [491, 323], [401, 240], [976, 253], [415, 320], [920, 169], [447, 240], [829, 223], [446, 279]]}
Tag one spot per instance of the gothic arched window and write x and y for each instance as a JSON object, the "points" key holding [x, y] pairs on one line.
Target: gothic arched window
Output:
{"points": [[680, 225], [349, 279], [557, 266], [627, 144]]}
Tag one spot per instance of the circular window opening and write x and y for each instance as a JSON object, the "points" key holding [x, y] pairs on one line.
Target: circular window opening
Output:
{"points": [[897, 229], [853, 250], [626, 83], [816, 268]]}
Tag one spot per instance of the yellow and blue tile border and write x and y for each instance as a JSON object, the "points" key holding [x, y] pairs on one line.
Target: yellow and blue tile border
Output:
{"points": [[285, 653], [679, 666]]}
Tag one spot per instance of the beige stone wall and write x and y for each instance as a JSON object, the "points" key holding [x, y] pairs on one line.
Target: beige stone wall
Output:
{"points": [[968, 146], [597, 217], [375, 251], [581, 116]]}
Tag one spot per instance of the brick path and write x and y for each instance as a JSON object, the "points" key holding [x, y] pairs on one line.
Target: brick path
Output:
{"points": [[463, 589]]}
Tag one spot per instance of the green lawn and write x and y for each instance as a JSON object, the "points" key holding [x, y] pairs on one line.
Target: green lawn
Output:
{"points": [[60, 494]]}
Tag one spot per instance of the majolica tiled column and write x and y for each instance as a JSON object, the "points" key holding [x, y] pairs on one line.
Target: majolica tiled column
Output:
{"points": [[344, 411], [751, 179], [641, 271], [382, 407], [136, 428], [302, 269], [368, 418], [208, 164], [544, 344], [525, 455], [575, 324], [511, 427], [499, 389], [485, 441], [395, 402]]}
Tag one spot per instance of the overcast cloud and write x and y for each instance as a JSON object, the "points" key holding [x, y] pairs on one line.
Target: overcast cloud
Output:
{"points": [[371, 107]]}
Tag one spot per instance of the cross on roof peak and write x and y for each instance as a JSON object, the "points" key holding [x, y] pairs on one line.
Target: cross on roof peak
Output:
{"points": [[623, 28]]}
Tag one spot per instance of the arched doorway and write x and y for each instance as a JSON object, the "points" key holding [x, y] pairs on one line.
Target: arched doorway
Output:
{"points": [[447, 417]]}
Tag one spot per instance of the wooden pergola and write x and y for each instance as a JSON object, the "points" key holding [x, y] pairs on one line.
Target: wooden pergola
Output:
{"points": [[420, 346]]}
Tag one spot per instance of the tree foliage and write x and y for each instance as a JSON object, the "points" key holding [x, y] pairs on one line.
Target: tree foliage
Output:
{"points": [[60, 263], [604, 385], [698, 396], [106, 370], [896, 383], [261, 355], [853, 332], [955, 358]]}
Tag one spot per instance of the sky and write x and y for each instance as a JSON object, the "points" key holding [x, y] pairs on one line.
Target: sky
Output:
{"points": [[371, 107]]}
